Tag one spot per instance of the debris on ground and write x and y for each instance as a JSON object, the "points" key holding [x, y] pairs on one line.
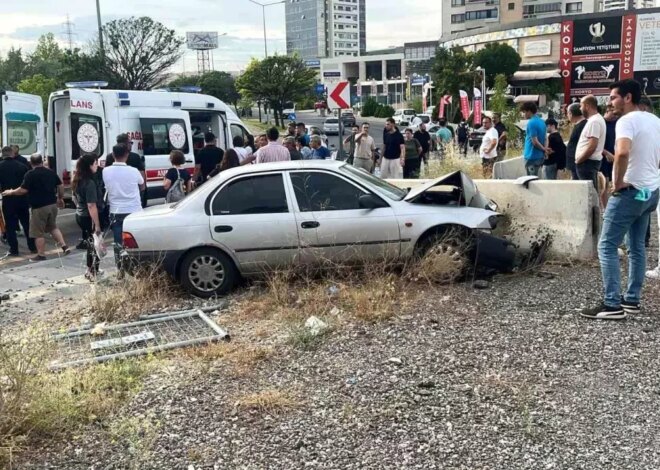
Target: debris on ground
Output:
{"points": [[315, 325]]}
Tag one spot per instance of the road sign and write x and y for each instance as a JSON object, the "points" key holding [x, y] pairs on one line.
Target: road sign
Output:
{"points": [[319, 88], [339, 96], [332, 74]]}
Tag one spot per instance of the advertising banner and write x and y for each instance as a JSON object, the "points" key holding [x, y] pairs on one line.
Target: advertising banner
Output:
{"points": [[477, 107], [465, 104], [596, 75], [646, 63]]}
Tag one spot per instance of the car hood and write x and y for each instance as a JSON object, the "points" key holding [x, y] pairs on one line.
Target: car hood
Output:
{"points": [[473, 198]]}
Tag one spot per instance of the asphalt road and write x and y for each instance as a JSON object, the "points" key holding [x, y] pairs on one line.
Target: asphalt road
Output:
{"points": [[377, 125]]}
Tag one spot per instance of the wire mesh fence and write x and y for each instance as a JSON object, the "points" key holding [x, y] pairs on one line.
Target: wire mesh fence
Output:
{"points": [[142, 337]]}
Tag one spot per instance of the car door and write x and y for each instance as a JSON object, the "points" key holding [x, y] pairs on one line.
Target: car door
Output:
{"points": [[251, 216], [334, 227]]}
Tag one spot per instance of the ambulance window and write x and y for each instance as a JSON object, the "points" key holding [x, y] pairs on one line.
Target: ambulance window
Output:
{"points": [[86, 135], [23, 134], [161, 136], [239, 131]]}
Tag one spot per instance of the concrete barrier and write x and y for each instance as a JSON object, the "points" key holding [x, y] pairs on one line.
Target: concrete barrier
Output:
{"points": [[566, 210], [510, 169]]}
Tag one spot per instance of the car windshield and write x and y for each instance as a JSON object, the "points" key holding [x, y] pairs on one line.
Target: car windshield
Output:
{"points": [[383, 187], [409, 112], [331, 121]]}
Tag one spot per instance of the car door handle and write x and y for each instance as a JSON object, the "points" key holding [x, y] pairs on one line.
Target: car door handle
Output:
{"points": [[223, 228], [312, 224]]}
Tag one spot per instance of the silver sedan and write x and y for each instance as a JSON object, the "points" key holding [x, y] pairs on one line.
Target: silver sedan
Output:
{"points": [[259, 218]]}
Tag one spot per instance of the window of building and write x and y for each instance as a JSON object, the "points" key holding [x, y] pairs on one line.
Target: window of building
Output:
{"points": [[512, 6], [532, 10], [255, 195], [459, 18], [575, 7], [481, 14], [457, 3]]}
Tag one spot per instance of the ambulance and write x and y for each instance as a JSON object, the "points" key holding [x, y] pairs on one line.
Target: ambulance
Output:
{"points": [[85, 118], [22, 122]]}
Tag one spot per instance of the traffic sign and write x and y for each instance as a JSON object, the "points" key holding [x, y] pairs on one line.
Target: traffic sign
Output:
{"points": [[319, 88], [339, 96]]}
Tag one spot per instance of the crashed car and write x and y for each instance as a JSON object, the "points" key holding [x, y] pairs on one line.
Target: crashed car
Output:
{"points": [[259, 218]]}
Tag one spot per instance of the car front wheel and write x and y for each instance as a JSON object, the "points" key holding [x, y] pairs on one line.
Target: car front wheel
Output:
{"points": [[206, 272]]}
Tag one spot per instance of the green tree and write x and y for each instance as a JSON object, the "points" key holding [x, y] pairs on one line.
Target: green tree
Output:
{"points": [[13, 69], [278, 80], [77, 66], [139, 52], [39, 85], [46, 59], [221, 85], [498, 102], [452, 70], [497, 58]]}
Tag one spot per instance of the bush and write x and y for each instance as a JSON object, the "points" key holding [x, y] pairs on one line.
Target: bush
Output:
{"points": [[417, 105], [370, 107], [384, 111]]}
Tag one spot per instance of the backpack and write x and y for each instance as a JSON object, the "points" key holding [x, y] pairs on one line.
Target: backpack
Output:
{"points": [[176, 191]]}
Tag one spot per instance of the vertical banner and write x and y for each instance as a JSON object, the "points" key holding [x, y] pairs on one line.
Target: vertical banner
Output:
{"points": [[465, 104], [628, 49], [441, 107], [477, 107], [565, 57]]}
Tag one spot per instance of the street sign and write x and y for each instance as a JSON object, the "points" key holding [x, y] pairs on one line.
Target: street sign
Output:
{"points": [[339, 96], [313, 63], [319, 88], [332, 74]]}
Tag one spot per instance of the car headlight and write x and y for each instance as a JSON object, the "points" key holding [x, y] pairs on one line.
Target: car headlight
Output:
{"points": [[492, 220]]}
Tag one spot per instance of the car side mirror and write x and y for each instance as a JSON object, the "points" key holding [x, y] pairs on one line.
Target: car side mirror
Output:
{"points": [[369, 201]]}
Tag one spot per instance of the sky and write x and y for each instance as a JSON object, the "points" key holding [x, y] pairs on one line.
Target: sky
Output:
{"points": [[389, 23]]}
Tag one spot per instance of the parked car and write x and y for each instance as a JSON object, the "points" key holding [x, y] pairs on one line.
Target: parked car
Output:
{"points": [[348, 118], [331, 126], [418, 119], [402, 117], [314, 210]]}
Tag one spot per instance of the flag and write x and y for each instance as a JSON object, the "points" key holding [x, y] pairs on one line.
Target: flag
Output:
{"points": [[465, 104]]}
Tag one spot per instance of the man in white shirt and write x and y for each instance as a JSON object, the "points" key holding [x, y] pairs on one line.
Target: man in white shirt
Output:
{"points": [[636, 179], [589, 151], [123, 185], [488, 149], [273, 151], [365, 150]]}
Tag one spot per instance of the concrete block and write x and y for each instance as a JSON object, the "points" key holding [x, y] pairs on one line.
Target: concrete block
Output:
{"points": [[567, 210], [510, 169]]}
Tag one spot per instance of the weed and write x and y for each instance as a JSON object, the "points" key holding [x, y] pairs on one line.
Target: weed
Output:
{"points": [[267, 401], [241, 358], [138, 435], [301, 337]]}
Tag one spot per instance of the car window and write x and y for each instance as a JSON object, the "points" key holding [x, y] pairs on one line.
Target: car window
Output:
{"points": [[316, 191], [331, 121], [263, 194]]}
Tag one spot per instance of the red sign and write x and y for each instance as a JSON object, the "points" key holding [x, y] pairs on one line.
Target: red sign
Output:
{"points": [[465, 104], [477, 111], [565, 57], [339, 96], [628, 49]]}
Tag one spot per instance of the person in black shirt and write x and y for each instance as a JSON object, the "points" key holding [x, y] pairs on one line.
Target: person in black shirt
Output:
{"points": [[207, 158], [89, 205], [556, 151], [177, 159], [134, 160], [394, 151], [15, 210], [502, 136], [462, 135], [16, 154], [574, 114], [45, 196], [424, 138], [607, 164]]}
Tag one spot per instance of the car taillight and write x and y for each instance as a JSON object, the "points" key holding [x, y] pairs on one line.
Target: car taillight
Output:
{"points": [[128, 241]]}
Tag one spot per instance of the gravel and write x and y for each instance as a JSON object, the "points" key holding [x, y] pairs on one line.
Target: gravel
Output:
{"points": [[510, 377]]}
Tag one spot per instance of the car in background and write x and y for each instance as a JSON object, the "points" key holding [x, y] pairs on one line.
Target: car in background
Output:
{"points": [[348, 118], [256, 219], [418, 119], [331, 126], [402, 117]]}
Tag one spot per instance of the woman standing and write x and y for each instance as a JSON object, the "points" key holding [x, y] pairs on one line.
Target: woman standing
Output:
{"points": [[229, 160], [177, 182], [413, 151], [89, 204]]}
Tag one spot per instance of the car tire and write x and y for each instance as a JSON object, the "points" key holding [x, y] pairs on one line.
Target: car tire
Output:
{"points": [[454, 242], [206, 272]]}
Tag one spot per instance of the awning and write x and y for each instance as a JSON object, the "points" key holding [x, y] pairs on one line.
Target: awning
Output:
{"points": [[526, 98], [522, 75]]}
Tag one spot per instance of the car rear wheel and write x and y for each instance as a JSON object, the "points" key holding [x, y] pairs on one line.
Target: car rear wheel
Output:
{"points": [[206, 272]]}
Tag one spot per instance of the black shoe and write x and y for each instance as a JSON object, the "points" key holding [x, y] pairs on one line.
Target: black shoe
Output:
{"points": [[9, 254], [66, 250], [38, 258], [630, 307], [82, 245], [603, 312]]}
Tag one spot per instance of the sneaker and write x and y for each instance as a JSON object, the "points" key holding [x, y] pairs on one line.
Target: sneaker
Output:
{"points": [[38, 258], [603, 312], [82, 245], [630, 307], [66, 250], [9, 254], [653, 273]]}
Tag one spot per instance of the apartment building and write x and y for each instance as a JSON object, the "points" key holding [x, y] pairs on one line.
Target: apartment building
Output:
{"points": [[318, 29], [610, 5], [464, 15]]}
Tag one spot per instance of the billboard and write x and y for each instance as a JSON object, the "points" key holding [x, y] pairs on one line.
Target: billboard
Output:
{"points": [[201, 41]]}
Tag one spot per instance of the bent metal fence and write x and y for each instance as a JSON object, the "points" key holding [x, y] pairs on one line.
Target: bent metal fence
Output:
{"points": [[150, 335]]}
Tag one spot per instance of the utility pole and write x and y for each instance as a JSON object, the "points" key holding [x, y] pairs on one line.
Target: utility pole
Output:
{"points": [[263, 16], [98, 18]]}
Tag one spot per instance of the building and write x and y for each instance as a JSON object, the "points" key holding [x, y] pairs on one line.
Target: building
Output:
{"points": [[464, 15], [610, 5], [317, 29]]}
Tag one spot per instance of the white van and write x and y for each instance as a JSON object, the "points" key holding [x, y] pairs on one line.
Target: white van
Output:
{"points": [[85, 120], [22, 122]]}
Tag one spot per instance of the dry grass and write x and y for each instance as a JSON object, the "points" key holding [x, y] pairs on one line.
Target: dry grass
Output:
{"points": [[126, 299], [37, 404], [270, 401], [241, 358], [453, 160]]}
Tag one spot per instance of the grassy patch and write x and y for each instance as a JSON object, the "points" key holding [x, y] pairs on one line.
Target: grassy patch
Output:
{"points": [[257, 127], [241, 358], [270, 401], [137, 435], [37, 404]]}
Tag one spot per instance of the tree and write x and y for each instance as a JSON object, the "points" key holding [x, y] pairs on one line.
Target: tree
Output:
{"points": [[497, 58], [140, 51], [452, 70], [39, 85], [46, 59], [77, 66], [277, 79], [498, 100], [221, 85], [12, 69]]}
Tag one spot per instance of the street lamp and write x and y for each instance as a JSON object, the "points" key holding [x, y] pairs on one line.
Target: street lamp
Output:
{"points": [[263, 15]]}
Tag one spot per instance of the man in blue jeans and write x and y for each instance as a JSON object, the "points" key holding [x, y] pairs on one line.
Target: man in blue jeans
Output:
{"points": [[123, 184], [635, 180], [534, 152]]}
